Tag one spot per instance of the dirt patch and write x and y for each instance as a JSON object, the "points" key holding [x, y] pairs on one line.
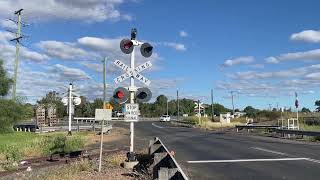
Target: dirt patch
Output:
{"points": [[84, 169]]}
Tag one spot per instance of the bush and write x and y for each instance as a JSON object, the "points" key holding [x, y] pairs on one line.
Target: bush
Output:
{"points": [[10, 113], [63, 144]]}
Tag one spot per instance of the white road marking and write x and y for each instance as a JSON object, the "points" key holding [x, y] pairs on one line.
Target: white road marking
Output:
{"points": [[247, 160], [313, 160], [281, 153], [270, 151], [153, 124]]}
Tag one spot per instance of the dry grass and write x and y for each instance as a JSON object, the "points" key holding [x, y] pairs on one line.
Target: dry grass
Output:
{"points": [[85, 169]]}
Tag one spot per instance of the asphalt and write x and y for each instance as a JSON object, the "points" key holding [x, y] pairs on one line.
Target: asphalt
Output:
{"points": [[269, 158]]}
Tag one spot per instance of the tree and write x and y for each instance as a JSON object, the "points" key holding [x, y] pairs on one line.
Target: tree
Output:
{"points": [[317, 103], [5, 81], [305, 110], [250, 111]]}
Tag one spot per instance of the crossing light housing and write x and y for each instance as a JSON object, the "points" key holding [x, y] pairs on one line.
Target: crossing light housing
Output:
{"points": [[146, 50], [77, 101], [143, 95], [121, 95], [126, 46]]}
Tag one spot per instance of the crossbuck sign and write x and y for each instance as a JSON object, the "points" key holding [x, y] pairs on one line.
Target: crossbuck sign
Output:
{"points": [[135, 73]]}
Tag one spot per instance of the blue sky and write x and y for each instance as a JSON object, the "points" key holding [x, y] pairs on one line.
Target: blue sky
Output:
{"points": [[263, 50]]}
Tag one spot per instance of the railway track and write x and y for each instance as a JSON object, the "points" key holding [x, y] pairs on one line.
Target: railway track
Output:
{"points": [[57, 159]]}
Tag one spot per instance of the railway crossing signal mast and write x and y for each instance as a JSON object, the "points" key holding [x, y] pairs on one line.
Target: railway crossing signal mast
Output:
{"points": [[133, 94]]}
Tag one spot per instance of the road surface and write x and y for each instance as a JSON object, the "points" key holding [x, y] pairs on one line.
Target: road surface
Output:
{"points": [[224, 155]]}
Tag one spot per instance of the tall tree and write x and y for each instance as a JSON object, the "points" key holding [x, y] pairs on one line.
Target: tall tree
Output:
{"points": [[5, 81]]}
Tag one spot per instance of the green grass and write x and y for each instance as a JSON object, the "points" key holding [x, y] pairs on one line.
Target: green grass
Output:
{"points": [[309, 128], [22, 145]]}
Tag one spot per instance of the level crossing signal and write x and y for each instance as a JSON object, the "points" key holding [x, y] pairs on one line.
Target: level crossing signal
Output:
{"points": [[143, 95], [121, 95]]}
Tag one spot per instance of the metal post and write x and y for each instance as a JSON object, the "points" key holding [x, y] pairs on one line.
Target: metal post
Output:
{"points": [[70, 106], [167, 108], [298, 118], [199, 113], [178, 105], [212, 110], [104, 106], [132, 100], [16, 66], [232, 102]]}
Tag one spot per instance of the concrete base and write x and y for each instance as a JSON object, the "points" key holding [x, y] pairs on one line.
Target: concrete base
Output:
{"points": [[130, 165]]}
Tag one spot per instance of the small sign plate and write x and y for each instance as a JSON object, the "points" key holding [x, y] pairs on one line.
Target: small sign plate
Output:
{"points": [[103, 114]]}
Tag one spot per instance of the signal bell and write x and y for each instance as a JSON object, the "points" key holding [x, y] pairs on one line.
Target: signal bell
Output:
{"points": [[121, 95], [143, 95], [126, 46], [146, 50]]}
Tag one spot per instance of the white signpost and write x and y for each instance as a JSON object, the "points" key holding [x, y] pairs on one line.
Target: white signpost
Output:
{"points": [[198, 106], [132, 112]]}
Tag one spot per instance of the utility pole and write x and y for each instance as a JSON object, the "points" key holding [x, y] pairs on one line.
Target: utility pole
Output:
{"points": [[270, 108], [232, 101], [178, 105], [167, 108], [104, 106], [212, 110], [16, 66]]}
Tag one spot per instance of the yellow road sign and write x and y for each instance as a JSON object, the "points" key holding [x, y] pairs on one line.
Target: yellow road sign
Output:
{"points": [[108, 106]]}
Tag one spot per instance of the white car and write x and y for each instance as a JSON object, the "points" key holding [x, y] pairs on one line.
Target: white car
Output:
{"points": [[165, 118]]}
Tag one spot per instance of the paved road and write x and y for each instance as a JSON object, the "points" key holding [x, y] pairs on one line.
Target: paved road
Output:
{"points": [[220, 155]]}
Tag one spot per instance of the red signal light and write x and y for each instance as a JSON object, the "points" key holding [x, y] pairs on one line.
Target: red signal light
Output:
{"points": [[120, 94], [128, 45]]}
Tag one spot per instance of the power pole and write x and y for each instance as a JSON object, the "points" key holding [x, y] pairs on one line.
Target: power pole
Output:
{"points": [[167, 108], [16, 66], [232, 101], [178, 105], [212, 110], [104, 106]]}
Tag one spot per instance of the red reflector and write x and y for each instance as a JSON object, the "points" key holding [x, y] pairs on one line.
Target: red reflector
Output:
{"points": [[120, 94], [128, 45]]}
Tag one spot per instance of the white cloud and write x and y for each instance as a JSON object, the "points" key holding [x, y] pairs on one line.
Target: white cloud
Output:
{"points": [[84, 10], [8, 50], [238, 61], [8, 24], [307, 36], [257, 66], [289, 73], [100, 43], [183, 33], [61, 50], [176, 46], [311, 55], [64, 73], [272, 60]]}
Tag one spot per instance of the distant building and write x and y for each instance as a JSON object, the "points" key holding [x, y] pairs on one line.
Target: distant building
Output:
{"points": [[46, 116], [225, 118], [52, 115], [239, 114], [41, 115]]}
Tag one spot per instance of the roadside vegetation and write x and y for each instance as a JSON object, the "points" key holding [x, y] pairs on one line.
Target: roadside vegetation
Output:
{"points": [[22, 145]]}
